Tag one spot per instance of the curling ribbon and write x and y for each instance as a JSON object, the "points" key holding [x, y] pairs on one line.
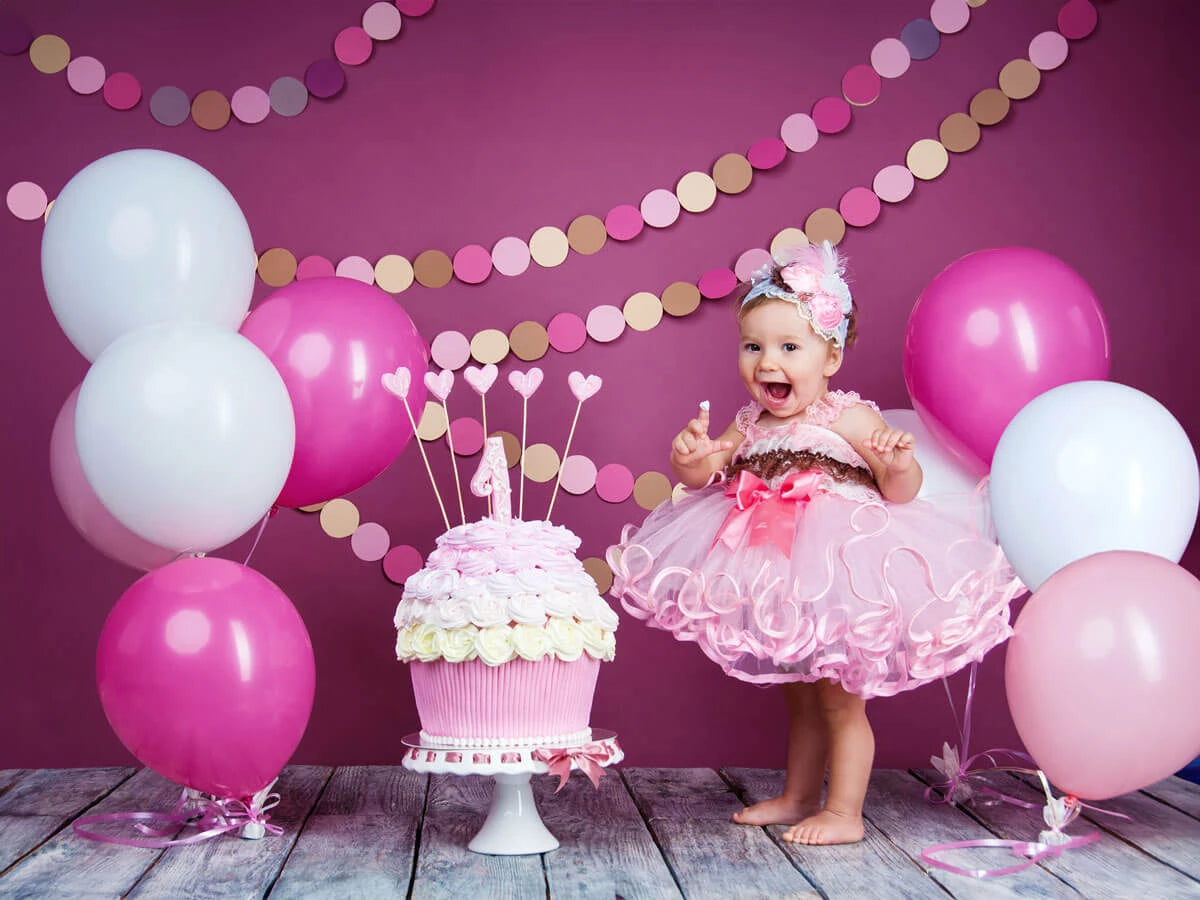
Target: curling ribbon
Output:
{"points": [[212, 815], [1033, 851], [587, 758]]}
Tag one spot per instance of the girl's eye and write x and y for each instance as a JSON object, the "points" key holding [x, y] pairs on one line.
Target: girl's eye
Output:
{"points": [[789, 347], [751, 347]]}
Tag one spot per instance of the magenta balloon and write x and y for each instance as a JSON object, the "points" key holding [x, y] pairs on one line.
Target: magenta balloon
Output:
{"points": [[205, 672], [84, 509], [332, 339], [1102, 673], [992, 331]]}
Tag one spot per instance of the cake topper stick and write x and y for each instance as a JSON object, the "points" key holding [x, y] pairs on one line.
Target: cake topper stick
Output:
{"points": [[582, 388], [398, 383], [491, 480], [440, 386], [524, 383], [482, 380]]}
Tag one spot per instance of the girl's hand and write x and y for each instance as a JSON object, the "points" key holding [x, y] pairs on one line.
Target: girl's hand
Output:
{"points": [[693, 445], [893, 447]]}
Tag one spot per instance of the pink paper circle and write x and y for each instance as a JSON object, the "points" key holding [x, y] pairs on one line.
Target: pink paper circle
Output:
{"points": [[85, 74], [859, 206], [578, 474], [26, 200], [356, 267], [717, 283], [750, 262], [352, 46], [614, 483], [567, 332], [170, 105], [831, 115], [660, 208], [250, 104], [950, 16], [382, 21], [414, 7], [623, 222], [1077, 19], [288, 95], [122, 91], [314, 267], [467, 435], [767, 153], [890, 58], [510, 256], [402, 562], [893, 183], [472, 264], [861, 85], [451, 350], [1048, 50], [605, 323], [370, 541], [799, 132]]}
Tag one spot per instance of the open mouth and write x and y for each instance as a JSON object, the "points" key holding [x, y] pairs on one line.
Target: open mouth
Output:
{"points": [[776, 391]]}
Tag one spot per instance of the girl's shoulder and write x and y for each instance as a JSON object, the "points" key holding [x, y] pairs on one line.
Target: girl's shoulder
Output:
{"points": [[829, 409]]}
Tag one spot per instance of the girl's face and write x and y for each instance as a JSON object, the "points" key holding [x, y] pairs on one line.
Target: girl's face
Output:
{"points": [[784, 364]]}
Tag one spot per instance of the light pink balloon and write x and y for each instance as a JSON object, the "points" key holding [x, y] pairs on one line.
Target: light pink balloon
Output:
{"points": [[332, 340], [205, 672], [84, 509], [1102, 673], [988, 334]]}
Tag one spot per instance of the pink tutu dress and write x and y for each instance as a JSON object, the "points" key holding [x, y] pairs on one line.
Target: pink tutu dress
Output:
{"points": [[793, 567]]}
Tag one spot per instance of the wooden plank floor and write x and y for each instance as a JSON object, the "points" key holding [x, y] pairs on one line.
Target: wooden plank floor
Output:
{"points": [[646, 833]]}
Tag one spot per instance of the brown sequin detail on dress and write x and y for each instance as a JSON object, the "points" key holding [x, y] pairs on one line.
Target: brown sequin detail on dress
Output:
{"points": [[778, 462]]}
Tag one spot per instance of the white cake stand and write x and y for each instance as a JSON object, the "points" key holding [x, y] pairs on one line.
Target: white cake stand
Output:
{"points": [[513, 826]]}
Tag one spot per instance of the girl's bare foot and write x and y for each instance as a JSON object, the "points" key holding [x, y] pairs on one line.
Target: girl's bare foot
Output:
{"points": [[776, 811], [826, 827]]}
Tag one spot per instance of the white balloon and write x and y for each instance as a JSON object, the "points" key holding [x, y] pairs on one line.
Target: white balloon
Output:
{"points": [[944, 472], [185, 432], [144, 236], [1091, 466]]}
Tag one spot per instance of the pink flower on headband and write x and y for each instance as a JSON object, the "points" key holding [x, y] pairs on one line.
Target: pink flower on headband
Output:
{"points": [[800, 279], [826, 312]]}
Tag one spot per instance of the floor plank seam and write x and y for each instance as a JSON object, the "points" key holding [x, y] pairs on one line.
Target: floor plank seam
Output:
{"points": [[299, 831], [416, 852], [648, 823]]}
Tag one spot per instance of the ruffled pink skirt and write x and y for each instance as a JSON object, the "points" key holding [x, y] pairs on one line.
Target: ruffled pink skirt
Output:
{"points": [[878, 596]]}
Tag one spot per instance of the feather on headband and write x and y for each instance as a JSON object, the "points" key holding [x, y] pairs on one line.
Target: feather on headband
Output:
{"points": [[812, 281]]}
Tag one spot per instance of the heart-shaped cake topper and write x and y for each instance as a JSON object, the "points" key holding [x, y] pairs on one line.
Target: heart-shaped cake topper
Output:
{"points": [[481, 379], [440, 384], [397, 382], [582, 387], [525, 383]]}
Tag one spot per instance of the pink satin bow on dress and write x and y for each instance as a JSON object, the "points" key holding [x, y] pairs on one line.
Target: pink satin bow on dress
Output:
{"points": [[765, 514], [588, 758]]}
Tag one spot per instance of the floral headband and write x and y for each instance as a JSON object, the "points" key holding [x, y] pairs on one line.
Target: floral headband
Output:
{"points": [[813, 283]]}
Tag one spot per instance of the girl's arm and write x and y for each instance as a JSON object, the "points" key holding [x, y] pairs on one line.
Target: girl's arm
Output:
{"points": [[695, 456], [888, 451]]}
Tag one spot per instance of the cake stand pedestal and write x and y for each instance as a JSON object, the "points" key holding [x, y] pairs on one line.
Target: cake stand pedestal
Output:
{"points": [[513, 826]]}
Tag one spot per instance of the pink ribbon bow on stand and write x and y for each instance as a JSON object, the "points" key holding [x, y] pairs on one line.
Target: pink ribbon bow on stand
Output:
{"points": [[587, 758], [768, 516]]}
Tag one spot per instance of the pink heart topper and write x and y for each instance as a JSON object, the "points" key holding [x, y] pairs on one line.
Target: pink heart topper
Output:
{"points": [[525, 383], [481, 379], [582, 387], [397, 382], [440, 384]]}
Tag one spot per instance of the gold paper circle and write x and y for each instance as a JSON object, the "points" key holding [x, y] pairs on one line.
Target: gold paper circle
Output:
{"points": [[732, 173], [49, 53], [643, 311], [313, 507], [339, 518], [651, 489], [512, 447], [696, 192], [210, 110], [548, 246], [600, 572], [489, 346], [432, 424], [976, 3], [825, 224], [927, 159], [958, 133], [587, 234], [529, 341], [394, 273], [1019, 79], [277, 267], [541, 463], [788, 239], [989, 106], [680, 299], [433, 269]]}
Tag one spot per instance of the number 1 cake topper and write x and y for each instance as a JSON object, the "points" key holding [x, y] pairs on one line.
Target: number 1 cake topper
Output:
{"points": [[491, 480]]}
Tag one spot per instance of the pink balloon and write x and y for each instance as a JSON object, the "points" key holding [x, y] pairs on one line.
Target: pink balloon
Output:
{"points": [[332, 339], [84, 509], [992, 331], [1102, 672], [205, 673]]}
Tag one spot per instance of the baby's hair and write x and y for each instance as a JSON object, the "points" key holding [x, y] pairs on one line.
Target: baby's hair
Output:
{"points": [[813, 256]]}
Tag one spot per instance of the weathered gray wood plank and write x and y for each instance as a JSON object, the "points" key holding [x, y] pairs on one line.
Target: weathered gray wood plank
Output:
{"points": [[361, 838], [1179, 793], [446, 869], [605, 849], [896, 806], [37, 806], [688, 811], [1093, 870], [68, 865], [227, 866], [9, 777], [874, 867]]}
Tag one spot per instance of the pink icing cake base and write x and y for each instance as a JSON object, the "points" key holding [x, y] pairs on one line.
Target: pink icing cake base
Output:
{"points": [[519, 699]]}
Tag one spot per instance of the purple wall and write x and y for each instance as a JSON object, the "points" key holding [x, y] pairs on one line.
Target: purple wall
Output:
{"points": [[494, 117]]}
